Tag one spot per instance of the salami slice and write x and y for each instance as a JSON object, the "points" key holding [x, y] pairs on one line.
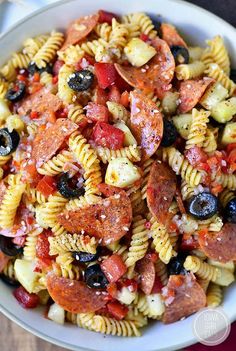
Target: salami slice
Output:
{"points": [[220, 246], [171, 36], [161, 188], [74, 296], [146, 270], [146, 123], [191, 92], [49, 141], [3, 261], [108, 220], [109, 190], [41, 102], [79, 29], [156, 75], [188, 297]]}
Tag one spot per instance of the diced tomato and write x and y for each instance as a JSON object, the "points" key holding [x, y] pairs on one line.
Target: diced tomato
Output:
{"points": [[57, 66], [62, 113], [106, 74], [157, 285], [112, 290], [232, 160], [100, 96], [105, 16], [22, 78], [195, 155], [144, 37], [117, 310], [114, 94], [36, 77], [114, 268], [131, 284], [230, 147], [203, 232], [214, 163], [121, 84], [43, 265], [42, 245], [26, 299], [203, 166], [34, 115], [47, 185], [216, 188], [153, 256], [108, 190], [108, 136], [31, 173], [97, 113], [54, 80], [188, 243], [124, 99]]}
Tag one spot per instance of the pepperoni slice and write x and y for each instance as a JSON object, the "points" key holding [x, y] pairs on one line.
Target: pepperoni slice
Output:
{"points": [[109, 190], [146, 270], [108, 220], [220, 246], [42, 101], [50, 140], [191, 92], [171, 36], [156, 75], [73, 295], [188, 297], [79, 29], [161, 188], [3, 261], [146, 123]]}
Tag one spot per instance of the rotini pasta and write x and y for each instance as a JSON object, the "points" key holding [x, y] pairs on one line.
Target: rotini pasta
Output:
{"points": [[118, 112], [132, 152], [202, 269], [190, 71], [72, 242], [56, 164], [198, 128], [214, 71], [214, 295], [112, 326]]}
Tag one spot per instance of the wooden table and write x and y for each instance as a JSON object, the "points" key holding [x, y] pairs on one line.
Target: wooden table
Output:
{"points": [[14, 338]]}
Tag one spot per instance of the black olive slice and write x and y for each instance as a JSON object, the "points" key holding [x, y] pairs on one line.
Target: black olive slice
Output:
{"points": [[7, 247], [230, 211], [66, 190], [17, 92], [176, 264], [95, 278], [81, 80], [84, 257], [180, 53], [33, 68], [233, 74], [9, 281], [203, 205], [170, 133], [8, 141]]}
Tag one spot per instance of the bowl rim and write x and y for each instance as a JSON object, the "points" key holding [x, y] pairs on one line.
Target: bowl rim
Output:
{"points": [[4, 309]]}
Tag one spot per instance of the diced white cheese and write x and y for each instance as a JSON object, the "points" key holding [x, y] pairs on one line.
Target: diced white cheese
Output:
{"points": [[25, 274], [126, 296], [129, 138], [56, 313], [121, 172], [138, 52], [155, 304], [4, 110]]}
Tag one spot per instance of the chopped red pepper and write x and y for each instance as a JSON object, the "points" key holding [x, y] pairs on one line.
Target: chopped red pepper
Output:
{"points": [[117, 310], [109, 136], [144, 37], [124, 99], [36, 77], [131, 284], [189, 242], [106, 74], [34, 115], [26, 299], [157, 285], [114, 268], [42, 245], [114, 94], [112, 290], [105, 16], [47, 185], [100, 96]]}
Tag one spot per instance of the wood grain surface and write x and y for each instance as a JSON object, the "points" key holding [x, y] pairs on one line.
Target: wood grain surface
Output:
{"points": [[14, 338]]}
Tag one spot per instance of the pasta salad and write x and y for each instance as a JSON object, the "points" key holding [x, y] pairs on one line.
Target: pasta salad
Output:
{"points": [[117, 183]]}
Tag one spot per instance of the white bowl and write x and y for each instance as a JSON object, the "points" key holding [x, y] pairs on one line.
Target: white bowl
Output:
{"points": [[196, 25]]}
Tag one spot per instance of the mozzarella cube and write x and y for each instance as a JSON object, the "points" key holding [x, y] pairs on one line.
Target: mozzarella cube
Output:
{"points": [[121, 172], [126, 296], [129, 138], [155, 304], [4, 110], [56, 313], [25, 274], [138, 52]]}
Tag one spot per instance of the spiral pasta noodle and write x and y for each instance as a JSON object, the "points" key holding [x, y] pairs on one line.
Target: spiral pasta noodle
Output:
{"points": [[132, 152], [4, 159], [161, 270], [8, 71], [9, 205], [112, 326], [213, 224], [65, 93], [214, 295], [20, 60], [144, 22], [217, 52], [29, 250], [204, 283], [49, 49], [187, 191], [146, 167], [56, 164], [214, 71], [68, 271], [139, 241], [228, 181], [181, 166], [225, 196], [3, 88], [198, 128], [118, 35], [46, 79], [96, 48], [33, 195], [32, 45], [190, 71], [76, 114], [210, 142], [137, 203], [202, 269], [72, 242], [118, 112], [103, 30], [161, 241], [71, 55]]}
